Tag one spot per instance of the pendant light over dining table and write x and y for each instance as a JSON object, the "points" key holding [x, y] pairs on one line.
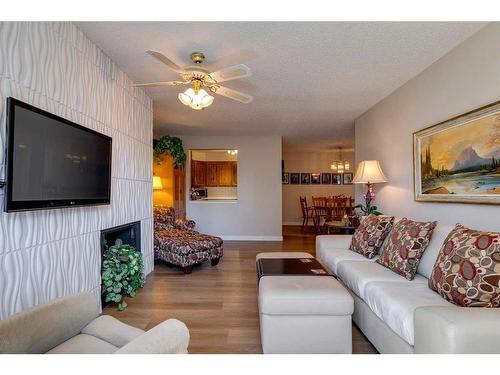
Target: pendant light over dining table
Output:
{"points": [[340, 166]]}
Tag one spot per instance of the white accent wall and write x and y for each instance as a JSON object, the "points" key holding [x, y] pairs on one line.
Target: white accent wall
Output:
{"points": [[52, 253], [256, 214], [466, 78]]}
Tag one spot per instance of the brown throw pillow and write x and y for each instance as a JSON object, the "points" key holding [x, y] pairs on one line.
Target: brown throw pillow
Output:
{"points": [[467, 269], [405, 246], [370, 235]]}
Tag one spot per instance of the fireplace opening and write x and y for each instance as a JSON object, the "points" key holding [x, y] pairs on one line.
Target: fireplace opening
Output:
{"points": [[129, 234]]}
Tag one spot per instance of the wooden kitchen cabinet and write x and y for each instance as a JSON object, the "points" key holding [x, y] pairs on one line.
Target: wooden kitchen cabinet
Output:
{"points": [[198, 174], [213, 173], [212, 176]]}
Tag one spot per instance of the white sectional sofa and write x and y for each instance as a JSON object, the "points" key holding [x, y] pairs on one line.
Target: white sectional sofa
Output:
{"points": [[401, 316]]}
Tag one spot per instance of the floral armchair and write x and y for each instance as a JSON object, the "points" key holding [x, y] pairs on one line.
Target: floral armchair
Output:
{"points": [[177, 243]]}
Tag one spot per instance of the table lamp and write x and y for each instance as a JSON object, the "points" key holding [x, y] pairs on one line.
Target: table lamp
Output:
{"points": [[157, 185], [369, 172]]}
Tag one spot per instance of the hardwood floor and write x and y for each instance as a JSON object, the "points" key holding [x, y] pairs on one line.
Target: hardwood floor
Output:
{"points": [[218, 304]]}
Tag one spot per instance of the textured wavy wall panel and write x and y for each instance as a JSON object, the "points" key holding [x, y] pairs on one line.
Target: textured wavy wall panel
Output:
{"points": [[48, 254]]}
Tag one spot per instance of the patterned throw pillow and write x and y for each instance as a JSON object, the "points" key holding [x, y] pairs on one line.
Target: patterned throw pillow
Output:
{"points": [[370, 235], [467, 270], [405, 246]]}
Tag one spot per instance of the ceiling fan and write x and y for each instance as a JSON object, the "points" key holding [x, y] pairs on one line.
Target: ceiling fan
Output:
{"points": [[198, 78]]}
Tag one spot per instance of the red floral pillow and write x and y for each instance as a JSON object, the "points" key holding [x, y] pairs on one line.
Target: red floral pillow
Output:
{"points": [[370, 235], [405, 246], [467, 270]]}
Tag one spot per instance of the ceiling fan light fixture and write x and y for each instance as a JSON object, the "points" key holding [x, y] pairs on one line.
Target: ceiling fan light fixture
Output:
{"points": [[196, 100]]}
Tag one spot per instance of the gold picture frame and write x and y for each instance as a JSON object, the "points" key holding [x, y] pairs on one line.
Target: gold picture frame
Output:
{"points": [[458, 160]]}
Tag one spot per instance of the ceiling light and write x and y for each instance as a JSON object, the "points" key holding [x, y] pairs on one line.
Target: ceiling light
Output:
{"points": [[195, 97]]}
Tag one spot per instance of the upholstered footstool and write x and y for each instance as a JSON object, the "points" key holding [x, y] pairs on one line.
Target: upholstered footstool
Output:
{"points": [[185, 248], [304, 314]]}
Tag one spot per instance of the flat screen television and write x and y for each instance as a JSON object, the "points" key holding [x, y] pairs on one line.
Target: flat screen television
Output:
{"points": [[52, 162]]}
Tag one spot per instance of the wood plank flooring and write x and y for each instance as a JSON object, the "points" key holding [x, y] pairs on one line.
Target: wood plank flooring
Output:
{"points": [[218, 304]]}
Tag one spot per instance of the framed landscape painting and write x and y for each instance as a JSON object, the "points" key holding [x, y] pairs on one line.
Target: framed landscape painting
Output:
{"points": [[458, 160]]}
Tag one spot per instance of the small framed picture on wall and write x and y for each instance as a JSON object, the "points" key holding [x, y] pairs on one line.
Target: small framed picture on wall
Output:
{"points": [[315, 178], [285, 178], [326, 178], [336, 179], [347, 178], [294, 178], [305, 178]]}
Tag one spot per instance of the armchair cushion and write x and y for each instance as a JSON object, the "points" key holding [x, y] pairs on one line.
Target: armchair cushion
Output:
{"points": [[164, 218], [371, 233], [467, 270], [168, 337], [112, 330], [84, 344]]}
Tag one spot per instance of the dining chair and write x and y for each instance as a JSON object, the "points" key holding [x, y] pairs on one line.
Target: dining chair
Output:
{"points": [[321, 211], [307, 212]]}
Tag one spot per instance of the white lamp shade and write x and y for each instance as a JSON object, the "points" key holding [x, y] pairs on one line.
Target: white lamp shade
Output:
{"points": [[157, 183], [369, 172]]}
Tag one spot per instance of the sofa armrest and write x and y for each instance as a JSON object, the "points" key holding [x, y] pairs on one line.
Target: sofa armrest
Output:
{"points": [[333, 242], [450, 329], [169, 337]]}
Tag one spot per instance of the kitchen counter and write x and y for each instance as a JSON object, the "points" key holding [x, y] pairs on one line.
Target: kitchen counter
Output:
{"points": [[216, 199]]}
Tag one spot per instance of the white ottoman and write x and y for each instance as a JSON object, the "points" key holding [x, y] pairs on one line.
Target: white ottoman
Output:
{"points": [[304, 314]]}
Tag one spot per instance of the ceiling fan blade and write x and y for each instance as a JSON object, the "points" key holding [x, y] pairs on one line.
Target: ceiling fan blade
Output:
{"points": [[232, 72], [232, 94], [158, 84], [164, 59]]}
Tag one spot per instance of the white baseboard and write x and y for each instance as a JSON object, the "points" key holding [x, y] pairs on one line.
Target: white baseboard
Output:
{"points": [[292, 223], [251, 238]]}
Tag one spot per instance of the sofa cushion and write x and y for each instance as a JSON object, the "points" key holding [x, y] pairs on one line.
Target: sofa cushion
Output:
{"points": [[332, 257], [84, 344], [395, 304], [467, 270], [431, 253], [369, 236], [405, 246], [357, 275]]}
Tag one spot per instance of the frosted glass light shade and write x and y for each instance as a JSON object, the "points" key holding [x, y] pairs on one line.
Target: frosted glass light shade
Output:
{"points": [[194, 100], [369, 172], [157, 183]]}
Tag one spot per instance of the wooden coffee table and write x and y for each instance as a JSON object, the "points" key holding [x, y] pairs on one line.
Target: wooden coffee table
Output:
{"points": [[290, 267]]}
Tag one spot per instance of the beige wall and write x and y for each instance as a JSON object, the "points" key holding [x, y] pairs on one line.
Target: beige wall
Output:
{"points": [[256, 215], [313, 162], [466, 78]]}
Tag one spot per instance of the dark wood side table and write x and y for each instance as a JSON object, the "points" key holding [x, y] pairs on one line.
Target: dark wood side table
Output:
{"points": [[339, 227]]}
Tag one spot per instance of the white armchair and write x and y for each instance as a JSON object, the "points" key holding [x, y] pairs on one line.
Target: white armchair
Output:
{"points": [[73, 325]]}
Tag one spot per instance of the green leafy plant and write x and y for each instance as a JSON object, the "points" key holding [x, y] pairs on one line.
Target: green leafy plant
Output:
{"points": [[122, 273], [367, 208], [173, 146]]}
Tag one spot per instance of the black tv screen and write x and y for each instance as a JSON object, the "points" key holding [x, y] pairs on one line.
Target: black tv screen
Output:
{"points": [[53, 162]]}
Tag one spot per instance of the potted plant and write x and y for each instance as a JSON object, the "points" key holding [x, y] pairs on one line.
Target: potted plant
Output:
{"points": [[172, 145], [367, 208], [122, 273]]}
